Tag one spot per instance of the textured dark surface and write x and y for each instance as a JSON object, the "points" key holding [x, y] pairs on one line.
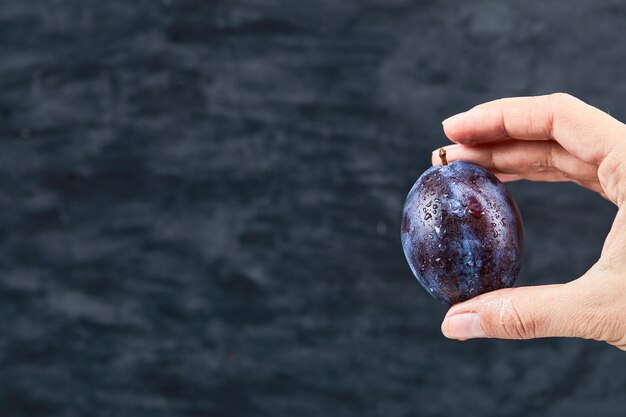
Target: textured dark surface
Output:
{"points": [[200, 206]]}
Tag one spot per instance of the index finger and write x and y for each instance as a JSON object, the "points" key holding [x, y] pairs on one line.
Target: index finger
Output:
{"points": [[583, 130]]}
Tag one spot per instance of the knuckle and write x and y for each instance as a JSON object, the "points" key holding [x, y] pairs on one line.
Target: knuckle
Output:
{"points": [[547, 160], [561, 97], [595, 325], [516, 326], [602, 316], [513, 323], [611, 170]]}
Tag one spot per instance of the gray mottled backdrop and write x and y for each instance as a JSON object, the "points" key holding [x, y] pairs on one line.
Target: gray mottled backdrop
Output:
{"points": [[200, 206]]}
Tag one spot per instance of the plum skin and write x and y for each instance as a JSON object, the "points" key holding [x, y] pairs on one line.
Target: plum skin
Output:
{"points": [[462, 232]]}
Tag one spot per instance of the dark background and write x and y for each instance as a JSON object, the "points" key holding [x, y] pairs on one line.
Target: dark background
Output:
{"points": [[200, 206]]}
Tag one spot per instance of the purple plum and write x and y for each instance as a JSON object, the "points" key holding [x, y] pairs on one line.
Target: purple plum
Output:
{"points": [[462, 233]]}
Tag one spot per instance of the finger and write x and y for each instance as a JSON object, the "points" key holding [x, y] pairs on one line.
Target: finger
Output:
{"points": [[542, 161], [544, 175], [566, 310], [583, 130]]}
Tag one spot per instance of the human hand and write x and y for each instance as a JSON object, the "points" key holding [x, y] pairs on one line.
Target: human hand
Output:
{"points": [[548, 138]]}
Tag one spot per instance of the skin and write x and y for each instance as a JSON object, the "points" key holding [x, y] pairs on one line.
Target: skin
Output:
{"points": [[548, 138]]}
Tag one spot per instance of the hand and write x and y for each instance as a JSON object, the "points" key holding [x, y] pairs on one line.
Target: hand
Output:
{"points": [[548, 138]]}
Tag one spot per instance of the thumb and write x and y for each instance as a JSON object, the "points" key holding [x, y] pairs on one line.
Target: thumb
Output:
{"points": [[568, 310]]}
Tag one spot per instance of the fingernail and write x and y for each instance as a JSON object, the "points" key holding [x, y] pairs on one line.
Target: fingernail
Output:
{"points": [[452, 117], [463, 326]]}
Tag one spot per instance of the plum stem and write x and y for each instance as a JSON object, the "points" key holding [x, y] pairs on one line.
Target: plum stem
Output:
{"points": [[442, 155]]}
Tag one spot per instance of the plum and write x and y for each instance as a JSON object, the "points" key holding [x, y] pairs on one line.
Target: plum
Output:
{"points": [[462, 232]]}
